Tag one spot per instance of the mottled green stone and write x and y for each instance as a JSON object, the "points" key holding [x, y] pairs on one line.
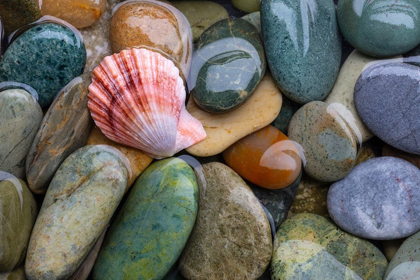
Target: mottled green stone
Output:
{"points": [[288, 109], [152, 228], [227, 66], [255, 19], [17, 13], [247, 6], [16, 274], [46, 57], [309, 246]]}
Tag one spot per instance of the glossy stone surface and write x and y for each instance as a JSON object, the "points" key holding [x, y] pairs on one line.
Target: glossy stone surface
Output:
{"points": [[20, 117], [288, 109], [378, 199], [79, 13], [18, 213], [154, 25], [16, 274], [17, 13], [201, 14], [78, 206], [303, 62], [227, 66], [327, 140], [266, 158], [64, 129], [380, 28], [387, 150], [255, 19], [387, 100], [247, 6], [309, 246], [225, 129], [57, 52], [153, 226], [231, 237]]}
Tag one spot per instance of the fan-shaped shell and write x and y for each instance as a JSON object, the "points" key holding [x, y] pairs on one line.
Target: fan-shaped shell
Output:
{"points": [[137, 98]]}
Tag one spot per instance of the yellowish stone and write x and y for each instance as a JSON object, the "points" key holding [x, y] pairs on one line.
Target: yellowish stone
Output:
{"points": [[363, 154], [391, 246]]}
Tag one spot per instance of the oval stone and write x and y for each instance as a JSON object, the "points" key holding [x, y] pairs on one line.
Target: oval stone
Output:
{"points": [[303, 46], [380, 28], [247, 6], [309, 246], [232, 237], [17, 13], [46, 57], [328, 142], [20, 117], [388, 102], [78, 206], [378, 199], [64, 129], [152, 228], [18, 214]]}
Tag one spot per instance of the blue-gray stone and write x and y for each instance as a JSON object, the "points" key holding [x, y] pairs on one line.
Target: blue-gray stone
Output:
{"points": [[378, 199]]}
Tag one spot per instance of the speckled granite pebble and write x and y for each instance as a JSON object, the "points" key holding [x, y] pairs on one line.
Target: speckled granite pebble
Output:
{"points": [[378, 199], [17, 13]]}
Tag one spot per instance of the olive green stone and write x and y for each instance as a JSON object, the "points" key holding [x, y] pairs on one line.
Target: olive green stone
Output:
{"points": [[255, 19], [201, 14], [17, 13], [152, 227], [247, 6], [16, 274], [18, 213], [77, 207], [227, 66], [309, 246]]}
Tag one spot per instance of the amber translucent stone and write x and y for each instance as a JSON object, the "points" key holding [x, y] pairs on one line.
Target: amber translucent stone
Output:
{"points": [[266, 158]]}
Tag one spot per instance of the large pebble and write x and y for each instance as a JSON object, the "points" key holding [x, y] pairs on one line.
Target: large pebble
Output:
{"points": [[378, 199], [153, 226], [17, 13], [20, 118], [231, 238], [78, 206]]}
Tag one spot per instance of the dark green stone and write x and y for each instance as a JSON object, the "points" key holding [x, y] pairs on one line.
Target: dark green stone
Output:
{"points": [[152, 227], [288, 109], [303, 46], [227, 66], [17, 13], [45, 57], [2, 39], [380, 28]]}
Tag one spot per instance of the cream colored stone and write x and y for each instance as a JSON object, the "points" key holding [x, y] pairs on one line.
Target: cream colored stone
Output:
{"points": [[225, 129]]}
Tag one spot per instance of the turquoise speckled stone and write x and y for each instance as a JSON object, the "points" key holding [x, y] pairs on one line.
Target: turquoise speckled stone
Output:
{"points": [[303, 46], [227, 66], [380, 28], [46, 57], [152, 228]]}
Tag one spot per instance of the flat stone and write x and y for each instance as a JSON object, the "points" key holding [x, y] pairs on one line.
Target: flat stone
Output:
{"points": [[225, 129], [378, 199], [231, 237], [16, 274], [20, 117], [309, 246], [153, 226], [17, 13], [247, 6], [387, 150], [227, 66], [46, 57], [79, 203], [288, 109], [387, 100], [380, 28], [303, 62], [64, 129], [328, 142]]}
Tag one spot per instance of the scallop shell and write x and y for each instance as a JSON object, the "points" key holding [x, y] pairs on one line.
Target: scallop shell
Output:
{"points": [[137, 98]]}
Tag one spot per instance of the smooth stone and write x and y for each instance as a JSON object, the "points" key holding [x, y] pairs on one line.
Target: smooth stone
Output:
{"points": [[309, 246], [46, 57], [378, 199], [16, 274], [388, 150], [232, 236], [153, 226], [80, 201], [227, 66], [137, 159], [64, 129], [18, 214], [201, 14], [387, 100], [380, 28], [303, 47], [328, 142], [288, 109], [154, 25], [406, 262], [266, 157], [255, 19], [225, 129], [247, 6], [364, 153], [390, 247], [20, 117], [17, 13], [79, 13]]}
